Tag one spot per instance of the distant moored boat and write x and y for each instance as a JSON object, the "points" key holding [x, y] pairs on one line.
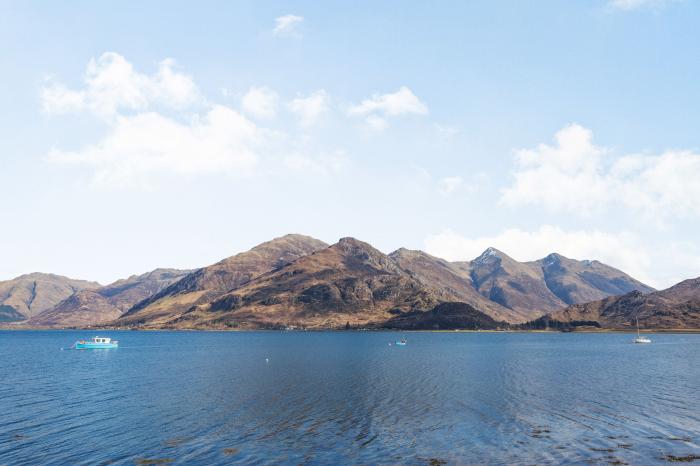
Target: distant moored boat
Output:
{"points": [[97, 343], [640, 338]]}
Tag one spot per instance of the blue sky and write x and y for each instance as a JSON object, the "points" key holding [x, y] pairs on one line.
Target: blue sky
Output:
{"points": [[169, 134]]}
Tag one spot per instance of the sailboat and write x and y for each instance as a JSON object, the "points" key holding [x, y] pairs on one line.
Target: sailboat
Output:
{"points": [[640, 338]]}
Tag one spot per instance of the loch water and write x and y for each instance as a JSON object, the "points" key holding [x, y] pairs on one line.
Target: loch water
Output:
{"points": [[348, 398]]}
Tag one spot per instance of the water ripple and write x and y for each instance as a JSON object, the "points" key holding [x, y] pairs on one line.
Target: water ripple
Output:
{"points": [[330, 398]]}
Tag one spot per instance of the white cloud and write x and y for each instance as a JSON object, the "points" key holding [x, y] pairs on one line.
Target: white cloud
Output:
{"points": [[620, 250], [379, 107], [446, 131], [628, 5], [111, 84], [287, 25], [576, 175], [143, 145], [376, 123], [140, 146], [324, 164], [450, 184], [260, 102], [401, 102], [309, 109]]}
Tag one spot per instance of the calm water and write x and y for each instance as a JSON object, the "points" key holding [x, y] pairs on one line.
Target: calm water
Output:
{"points": [[328, 398]]}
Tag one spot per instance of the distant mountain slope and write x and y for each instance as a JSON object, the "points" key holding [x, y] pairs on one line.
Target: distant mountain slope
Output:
{"points": [[28, 295], [455, 282], [577, 282], [101, 305], [515, 285], [677, 307], [82, 309], [128, 292], [348, 282], [206, 284], [546, 285]]}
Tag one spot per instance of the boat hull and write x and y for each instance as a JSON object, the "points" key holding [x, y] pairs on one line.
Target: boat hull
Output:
{"points": [[88, 345]]}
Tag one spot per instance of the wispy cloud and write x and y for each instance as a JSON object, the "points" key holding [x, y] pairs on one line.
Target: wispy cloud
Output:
{"points": [[288, 26], [450, 184], [377, 108], [629, 5]]}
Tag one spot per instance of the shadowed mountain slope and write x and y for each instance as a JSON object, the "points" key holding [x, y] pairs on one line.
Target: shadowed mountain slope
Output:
{"points": [[445, 316]]}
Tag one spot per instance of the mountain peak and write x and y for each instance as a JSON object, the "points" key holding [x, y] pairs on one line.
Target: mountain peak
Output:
{"points": [[489, 255], [553, 258], [411, 253], [290, 239], [359, 249]]}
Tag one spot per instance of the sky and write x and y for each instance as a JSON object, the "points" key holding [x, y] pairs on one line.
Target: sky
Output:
{"points": [[137, 135]]}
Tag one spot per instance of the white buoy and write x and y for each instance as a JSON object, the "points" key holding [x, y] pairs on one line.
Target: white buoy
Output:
{"points": [[267, 360]]}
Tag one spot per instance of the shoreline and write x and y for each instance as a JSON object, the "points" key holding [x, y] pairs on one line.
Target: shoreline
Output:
{"points": [[339, 330]]}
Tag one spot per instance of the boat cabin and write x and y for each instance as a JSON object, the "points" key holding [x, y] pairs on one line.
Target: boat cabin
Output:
{"points": [[101, 340]]}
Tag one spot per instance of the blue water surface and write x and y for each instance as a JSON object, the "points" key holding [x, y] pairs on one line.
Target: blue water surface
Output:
{"points": [[348, 397]]}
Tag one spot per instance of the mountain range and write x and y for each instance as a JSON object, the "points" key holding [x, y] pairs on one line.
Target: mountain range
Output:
{"points": [[300, 281]]}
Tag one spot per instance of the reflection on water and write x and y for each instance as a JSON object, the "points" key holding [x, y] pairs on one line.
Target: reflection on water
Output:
{"points": [[328, 398]]}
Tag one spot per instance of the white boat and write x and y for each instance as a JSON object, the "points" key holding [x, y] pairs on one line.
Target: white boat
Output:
{"points": [[640, 338]]}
